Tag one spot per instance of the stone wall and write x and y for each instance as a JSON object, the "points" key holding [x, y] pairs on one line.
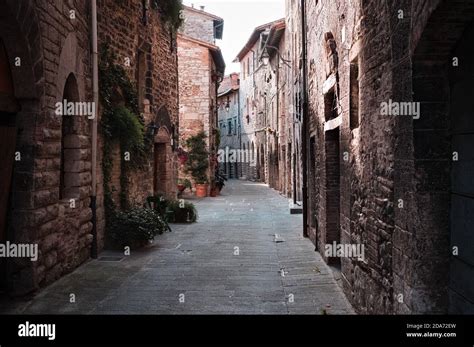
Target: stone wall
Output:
{"points": [[51, 40], [51, 185], [146, 48], [198, 24], [248, 111], [230, 136], [199, 78], [373, 179]]}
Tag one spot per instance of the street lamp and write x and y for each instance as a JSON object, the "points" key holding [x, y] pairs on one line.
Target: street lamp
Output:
{"points": [[227, 106], [265, 57]]}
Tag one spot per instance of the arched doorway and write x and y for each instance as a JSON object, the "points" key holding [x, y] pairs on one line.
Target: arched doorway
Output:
{"points": [[162, 170], [443, 140], [69, 129], [8, 109]]}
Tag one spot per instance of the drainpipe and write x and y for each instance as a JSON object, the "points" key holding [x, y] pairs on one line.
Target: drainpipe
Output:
{"points": [[240, 132], [304, 127], [95, 90]]}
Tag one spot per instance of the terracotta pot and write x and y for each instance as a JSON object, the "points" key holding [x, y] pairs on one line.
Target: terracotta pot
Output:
{"points": [[201, 190]]}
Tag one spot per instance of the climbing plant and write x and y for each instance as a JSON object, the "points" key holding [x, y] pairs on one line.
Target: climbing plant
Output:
{"points": [[198, 158], [120, 121], [171, 11]]}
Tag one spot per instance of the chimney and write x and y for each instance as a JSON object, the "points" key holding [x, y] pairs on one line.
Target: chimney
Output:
{"points": [[202, 8], [192, 5]]}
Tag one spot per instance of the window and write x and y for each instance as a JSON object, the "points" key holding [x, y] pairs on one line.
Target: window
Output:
{"points": [[69, 174], [229, 130], [235, 126]]}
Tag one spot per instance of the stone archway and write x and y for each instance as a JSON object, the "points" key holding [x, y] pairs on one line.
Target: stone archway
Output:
{"points": [[443, 139]]}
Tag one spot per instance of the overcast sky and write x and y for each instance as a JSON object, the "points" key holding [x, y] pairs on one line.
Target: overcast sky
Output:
{"points": [[240, 18]]}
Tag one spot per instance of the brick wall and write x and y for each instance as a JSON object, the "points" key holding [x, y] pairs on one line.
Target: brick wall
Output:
{"points": [[360, 56], [143, 39], [53, 45], [198, 86], [52, 39]]}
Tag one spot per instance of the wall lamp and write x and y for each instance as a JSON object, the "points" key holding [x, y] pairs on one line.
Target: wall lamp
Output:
{"points": [[265, 57]]}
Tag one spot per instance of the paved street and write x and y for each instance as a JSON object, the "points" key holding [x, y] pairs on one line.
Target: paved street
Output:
{"points": [[227, 263]]}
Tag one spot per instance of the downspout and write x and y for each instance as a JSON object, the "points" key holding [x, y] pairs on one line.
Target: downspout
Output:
{"points": [[277, 129], [304, 127], [240, 131], [95, 90]]}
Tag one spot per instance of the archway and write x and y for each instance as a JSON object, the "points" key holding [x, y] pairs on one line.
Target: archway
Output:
{"points": [[162, 170], [69, 129], [443, 160]]}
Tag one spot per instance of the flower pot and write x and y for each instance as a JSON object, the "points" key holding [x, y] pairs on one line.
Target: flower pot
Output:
{"points": [[181, 188], [201, 190]]}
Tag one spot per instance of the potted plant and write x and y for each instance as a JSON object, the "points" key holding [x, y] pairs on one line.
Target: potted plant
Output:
{"points": [[198, 163], [183, 184]]}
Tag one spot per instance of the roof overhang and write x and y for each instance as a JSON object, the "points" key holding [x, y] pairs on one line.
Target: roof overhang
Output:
{"points": [[255, 36]]}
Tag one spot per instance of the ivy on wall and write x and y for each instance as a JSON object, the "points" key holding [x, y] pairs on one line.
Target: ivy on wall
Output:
{"points": [[171, 12], [120, 122]]}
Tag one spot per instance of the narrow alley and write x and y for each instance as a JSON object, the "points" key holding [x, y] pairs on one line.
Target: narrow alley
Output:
{"points": [[230, 261]]}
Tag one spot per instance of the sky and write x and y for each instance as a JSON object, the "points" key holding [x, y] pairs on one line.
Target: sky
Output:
{"points": [[241, 17]]}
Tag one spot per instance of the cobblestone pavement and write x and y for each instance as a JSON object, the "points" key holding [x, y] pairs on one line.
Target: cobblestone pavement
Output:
{"points": [[198, 264]]}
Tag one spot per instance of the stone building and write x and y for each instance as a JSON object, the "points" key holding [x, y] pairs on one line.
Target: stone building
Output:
{"points": [[45, 59], [201, 69], [293, 174], [388, 151], [229, 122], [274, 85], [146, 47], [255, 100]]}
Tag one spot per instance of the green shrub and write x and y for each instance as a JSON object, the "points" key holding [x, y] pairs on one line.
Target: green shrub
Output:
{"points": [[183, 212], [136, 227], [159, 203], [198, 158], [171, 11]]}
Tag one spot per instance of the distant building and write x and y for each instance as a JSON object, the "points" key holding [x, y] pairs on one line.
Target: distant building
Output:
{"points": [[201, 68], [254, 100], [229, 123]]}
